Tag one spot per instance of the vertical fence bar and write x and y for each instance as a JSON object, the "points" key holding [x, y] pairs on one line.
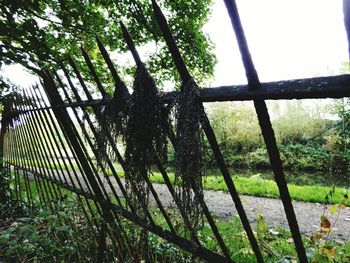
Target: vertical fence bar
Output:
{"points": [[17, 135], [266, 128], [67, 125], [35, 155], [114, 147], [85, 133], [186, 77], [62, 147], [46, 146], [206, 212], [65, 154], [41, 149]]}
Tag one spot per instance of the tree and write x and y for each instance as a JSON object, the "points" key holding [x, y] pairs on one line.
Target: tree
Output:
{"points": [[36, 33]]}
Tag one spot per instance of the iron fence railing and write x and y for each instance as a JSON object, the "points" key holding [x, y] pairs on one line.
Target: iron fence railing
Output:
{"points": [[55, 146]]}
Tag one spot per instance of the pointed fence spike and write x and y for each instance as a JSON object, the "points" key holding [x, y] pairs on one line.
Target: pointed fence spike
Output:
{"points": [[119, 84], [131, 45], [267, 130], [66, 74], [251, 73], [93, 72], [173, 48], [80, 78], [108, 61]]}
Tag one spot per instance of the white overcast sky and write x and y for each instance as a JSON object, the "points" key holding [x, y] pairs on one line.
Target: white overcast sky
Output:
{"points": [[287, 39]]}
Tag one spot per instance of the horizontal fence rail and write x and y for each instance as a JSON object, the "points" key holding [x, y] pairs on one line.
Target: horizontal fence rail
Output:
{"points": [[310, 88]]}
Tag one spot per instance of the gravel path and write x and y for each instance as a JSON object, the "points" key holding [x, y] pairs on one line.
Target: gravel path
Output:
{"points": [[308, 214], [221, 204]]}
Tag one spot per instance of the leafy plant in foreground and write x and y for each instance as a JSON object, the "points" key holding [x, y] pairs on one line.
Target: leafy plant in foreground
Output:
{"points": [[324, 249]]}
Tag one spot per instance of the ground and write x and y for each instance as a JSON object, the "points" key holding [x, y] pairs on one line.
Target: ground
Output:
{"points": [[220, 204], [308, 214]]}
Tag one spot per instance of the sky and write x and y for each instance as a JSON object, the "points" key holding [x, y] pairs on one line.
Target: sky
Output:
{"points": [[288, 39]]}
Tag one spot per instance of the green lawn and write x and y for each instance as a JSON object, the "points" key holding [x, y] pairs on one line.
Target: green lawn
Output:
{"points": [[256, 186]]}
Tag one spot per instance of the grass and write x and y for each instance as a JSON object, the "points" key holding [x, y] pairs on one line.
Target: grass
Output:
{"points": [[256, 186], [37, 237], [276, 243]]}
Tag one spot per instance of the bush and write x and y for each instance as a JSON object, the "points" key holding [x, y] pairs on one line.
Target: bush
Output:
{"points": [[306, 139], [299, 123], [258, 159], [4, 186], [43, 236]]}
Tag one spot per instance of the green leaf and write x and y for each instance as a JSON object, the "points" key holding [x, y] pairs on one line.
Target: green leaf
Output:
{"points": [[333, 209], [4, 238], [52, 219], [262, 227]]}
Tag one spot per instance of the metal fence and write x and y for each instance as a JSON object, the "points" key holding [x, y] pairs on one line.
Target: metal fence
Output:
{"points": [[49, 136]]}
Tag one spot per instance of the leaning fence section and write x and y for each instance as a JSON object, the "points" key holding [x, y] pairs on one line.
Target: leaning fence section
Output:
{"points": [[58, 139]]}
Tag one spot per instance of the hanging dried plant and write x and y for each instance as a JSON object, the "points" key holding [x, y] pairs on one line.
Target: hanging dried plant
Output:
{"points": [[145, 140], [112, 120], [144, 137], [189, 152]]}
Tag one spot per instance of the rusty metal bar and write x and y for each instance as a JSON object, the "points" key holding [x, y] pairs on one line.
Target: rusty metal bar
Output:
{"points": [[309, 88], [149, 184], [43, 146], [52, 139], [18, 183], [37, 185], [14, 178], [19, 131], [120, 88], [46, 143], [186, 77], [84, 176], [207, 214], [25, 139], [26, 180], [93, 73], [267, 130], [115, 149], [28, 190], [78, 98], [87, 164], [252, 76], [63, 116], [159, 165], [62, 146], [69, 159], [85, 133]]}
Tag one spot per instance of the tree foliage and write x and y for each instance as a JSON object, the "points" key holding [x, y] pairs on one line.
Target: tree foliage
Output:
{"points": [[37, 32]]}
